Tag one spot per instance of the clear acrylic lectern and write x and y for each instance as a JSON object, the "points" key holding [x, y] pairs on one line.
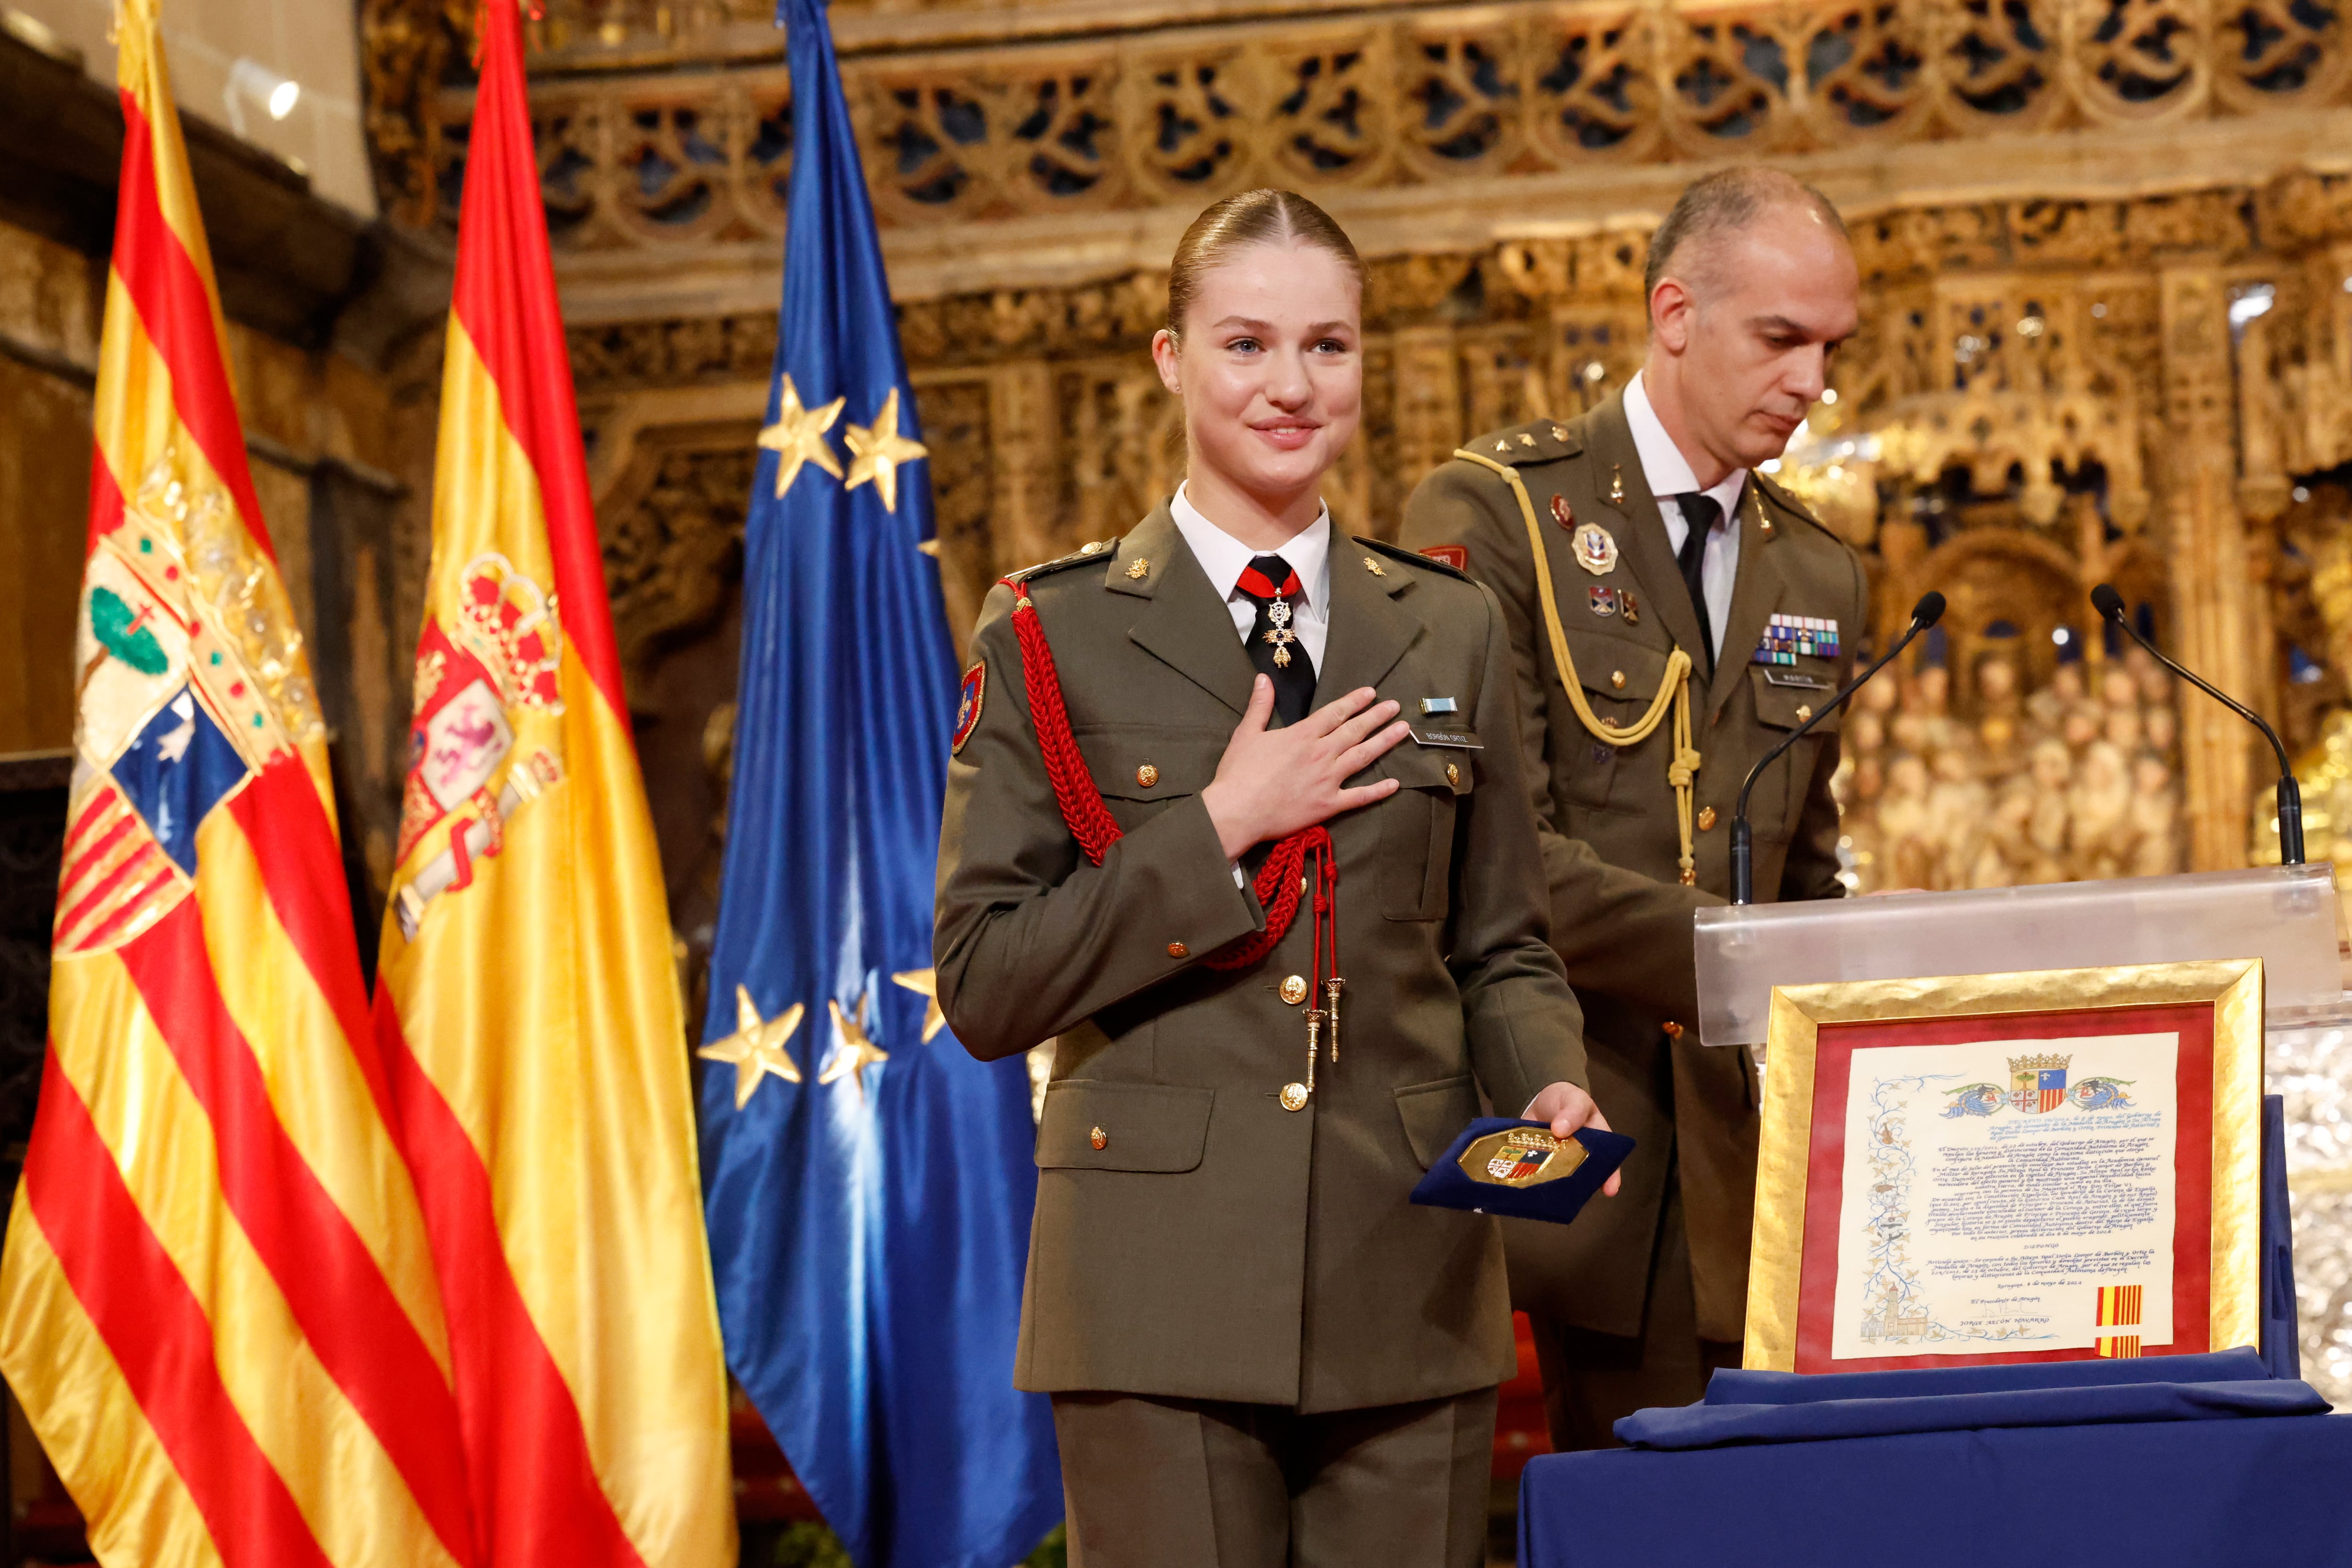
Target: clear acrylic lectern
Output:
{"points": [[2283, 915]]}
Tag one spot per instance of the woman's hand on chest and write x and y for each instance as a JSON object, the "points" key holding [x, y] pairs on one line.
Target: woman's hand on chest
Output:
{"points": [[1271, 784]]}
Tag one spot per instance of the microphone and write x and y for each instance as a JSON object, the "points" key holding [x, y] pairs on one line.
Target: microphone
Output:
{"points": [[2110, 605], [1924, 614]]}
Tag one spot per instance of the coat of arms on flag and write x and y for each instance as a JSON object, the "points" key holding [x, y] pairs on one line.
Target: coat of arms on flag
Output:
{"points": [[502, 652], [173, 710]]}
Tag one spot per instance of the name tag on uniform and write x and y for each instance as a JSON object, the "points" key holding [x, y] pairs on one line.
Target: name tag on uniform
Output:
{"points": [[1777, 677], [1446, 735]]}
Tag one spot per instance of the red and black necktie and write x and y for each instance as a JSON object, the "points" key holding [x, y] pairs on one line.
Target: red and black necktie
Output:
{"points": [[1274, 643]]}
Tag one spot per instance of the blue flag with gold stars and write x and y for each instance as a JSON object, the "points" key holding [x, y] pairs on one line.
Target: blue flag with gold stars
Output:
{"points": [[868, 1185]]}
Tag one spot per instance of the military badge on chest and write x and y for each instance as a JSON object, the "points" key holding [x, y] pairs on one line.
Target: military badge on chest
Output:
{"points": [[1789, 637], [1606, 601], [1596, 552]]}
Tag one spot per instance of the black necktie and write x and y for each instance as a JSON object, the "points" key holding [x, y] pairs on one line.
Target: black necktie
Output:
{"points": [[1273, 646], [1699, 514]]}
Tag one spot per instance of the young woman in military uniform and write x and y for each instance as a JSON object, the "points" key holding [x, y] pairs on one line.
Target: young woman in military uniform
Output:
{"points": [[1215, 826]]}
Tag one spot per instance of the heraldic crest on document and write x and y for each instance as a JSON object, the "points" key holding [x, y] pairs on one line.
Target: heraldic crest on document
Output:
{"points": [[2037, 1086]]}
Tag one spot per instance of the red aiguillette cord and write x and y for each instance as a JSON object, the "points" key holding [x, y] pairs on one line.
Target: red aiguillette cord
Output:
{"points": [[1279, 881]]}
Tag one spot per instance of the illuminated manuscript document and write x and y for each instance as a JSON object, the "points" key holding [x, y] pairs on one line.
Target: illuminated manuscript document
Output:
{"points": [[2007, 1195]]}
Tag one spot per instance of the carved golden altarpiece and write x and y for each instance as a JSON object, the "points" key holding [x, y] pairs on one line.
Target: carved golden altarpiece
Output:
{"points": [[2106, 248]]}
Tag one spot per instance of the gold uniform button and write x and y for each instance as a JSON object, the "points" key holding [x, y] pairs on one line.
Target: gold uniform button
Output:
{"points": [[1617, 678], [1805, 711], [1293, 989], [1453, 776], [1147, 775], [1706, 817], [1294, 1096], [1673, 1031], [1098, 1138], [1178, 950]]}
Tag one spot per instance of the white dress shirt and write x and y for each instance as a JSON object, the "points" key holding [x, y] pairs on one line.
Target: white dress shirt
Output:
{"points": [[1668, 473], [1224, 558]]}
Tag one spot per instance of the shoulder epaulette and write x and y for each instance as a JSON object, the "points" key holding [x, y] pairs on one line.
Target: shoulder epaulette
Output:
{"points": [[1783, 497], [1412, 558], [1093, 550], [1537, 441]]}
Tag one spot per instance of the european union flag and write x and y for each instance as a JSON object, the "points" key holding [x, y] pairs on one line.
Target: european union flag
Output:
{"points": [[868, 1185]]}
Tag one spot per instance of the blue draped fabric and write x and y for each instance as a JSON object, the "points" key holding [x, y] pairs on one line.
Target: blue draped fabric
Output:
{"points": [[2155, 1494], [1711, 1425], [868, 1206]]}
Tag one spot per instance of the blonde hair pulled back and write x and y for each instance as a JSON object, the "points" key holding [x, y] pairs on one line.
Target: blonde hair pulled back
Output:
{"points": [[1252, 217]]}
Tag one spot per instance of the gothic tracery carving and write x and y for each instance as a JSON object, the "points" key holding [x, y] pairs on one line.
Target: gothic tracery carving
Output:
{"points": [[1397, 95]]}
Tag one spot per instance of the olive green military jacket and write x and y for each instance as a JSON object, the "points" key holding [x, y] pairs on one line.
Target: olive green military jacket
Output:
{"points": [[1193, 1238], [1621, 919]]}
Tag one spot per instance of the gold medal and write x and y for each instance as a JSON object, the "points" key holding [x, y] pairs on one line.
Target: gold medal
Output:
{"points": [[1521, 1157]]}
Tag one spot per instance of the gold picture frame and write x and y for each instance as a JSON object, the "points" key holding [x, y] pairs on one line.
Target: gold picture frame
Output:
{"points": [[2231, 987]]}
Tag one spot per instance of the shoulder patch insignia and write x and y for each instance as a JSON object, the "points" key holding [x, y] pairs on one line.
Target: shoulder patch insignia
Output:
{"points": [[1455, 555], [975, 686]]}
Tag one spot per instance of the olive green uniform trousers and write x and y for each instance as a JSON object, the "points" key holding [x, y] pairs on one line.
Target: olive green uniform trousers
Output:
{"points": [[1211, 1483]]}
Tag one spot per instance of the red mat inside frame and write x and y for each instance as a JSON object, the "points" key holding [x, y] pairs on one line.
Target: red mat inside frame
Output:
{"points": [[2192, 1226]]}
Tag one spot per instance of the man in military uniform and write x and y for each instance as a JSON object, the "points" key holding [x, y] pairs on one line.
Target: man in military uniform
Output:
{"points": [[1672, 615]]}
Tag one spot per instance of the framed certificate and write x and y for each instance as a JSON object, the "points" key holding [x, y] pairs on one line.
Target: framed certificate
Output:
{"points": [[2044, 1166]]}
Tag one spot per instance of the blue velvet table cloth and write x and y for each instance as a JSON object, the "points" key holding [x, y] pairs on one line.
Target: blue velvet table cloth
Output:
{"points": [[2164, 1494]]}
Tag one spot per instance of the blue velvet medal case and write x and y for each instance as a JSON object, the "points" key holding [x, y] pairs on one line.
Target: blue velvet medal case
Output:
{"points": [[1519, 1170]]}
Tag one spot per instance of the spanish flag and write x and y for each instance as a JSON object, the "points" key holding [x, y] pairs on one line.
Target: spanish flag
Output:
{"points": [[526, 999], [217, 1306]]}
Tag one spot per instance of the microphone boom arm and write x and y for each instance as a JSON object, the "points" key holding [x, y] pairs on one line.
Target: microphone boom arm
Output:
{"points": [[1743, 846], [2290, 792]]}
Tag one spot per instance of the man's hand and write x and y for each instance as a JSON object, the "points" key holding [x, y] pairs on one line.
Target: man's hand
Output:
{"points": [[1568, 1108], [1272, 782]]}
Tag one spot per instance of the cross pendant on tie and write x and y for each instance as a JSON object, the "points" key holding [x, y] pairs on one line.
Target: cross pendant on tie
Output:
{"points": [[1279, 633]]}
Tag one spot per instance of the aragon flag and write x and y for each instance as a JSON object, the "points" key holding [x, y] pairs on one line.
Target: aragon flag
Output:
{"points": [[526, 997], [217, 1307]]}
